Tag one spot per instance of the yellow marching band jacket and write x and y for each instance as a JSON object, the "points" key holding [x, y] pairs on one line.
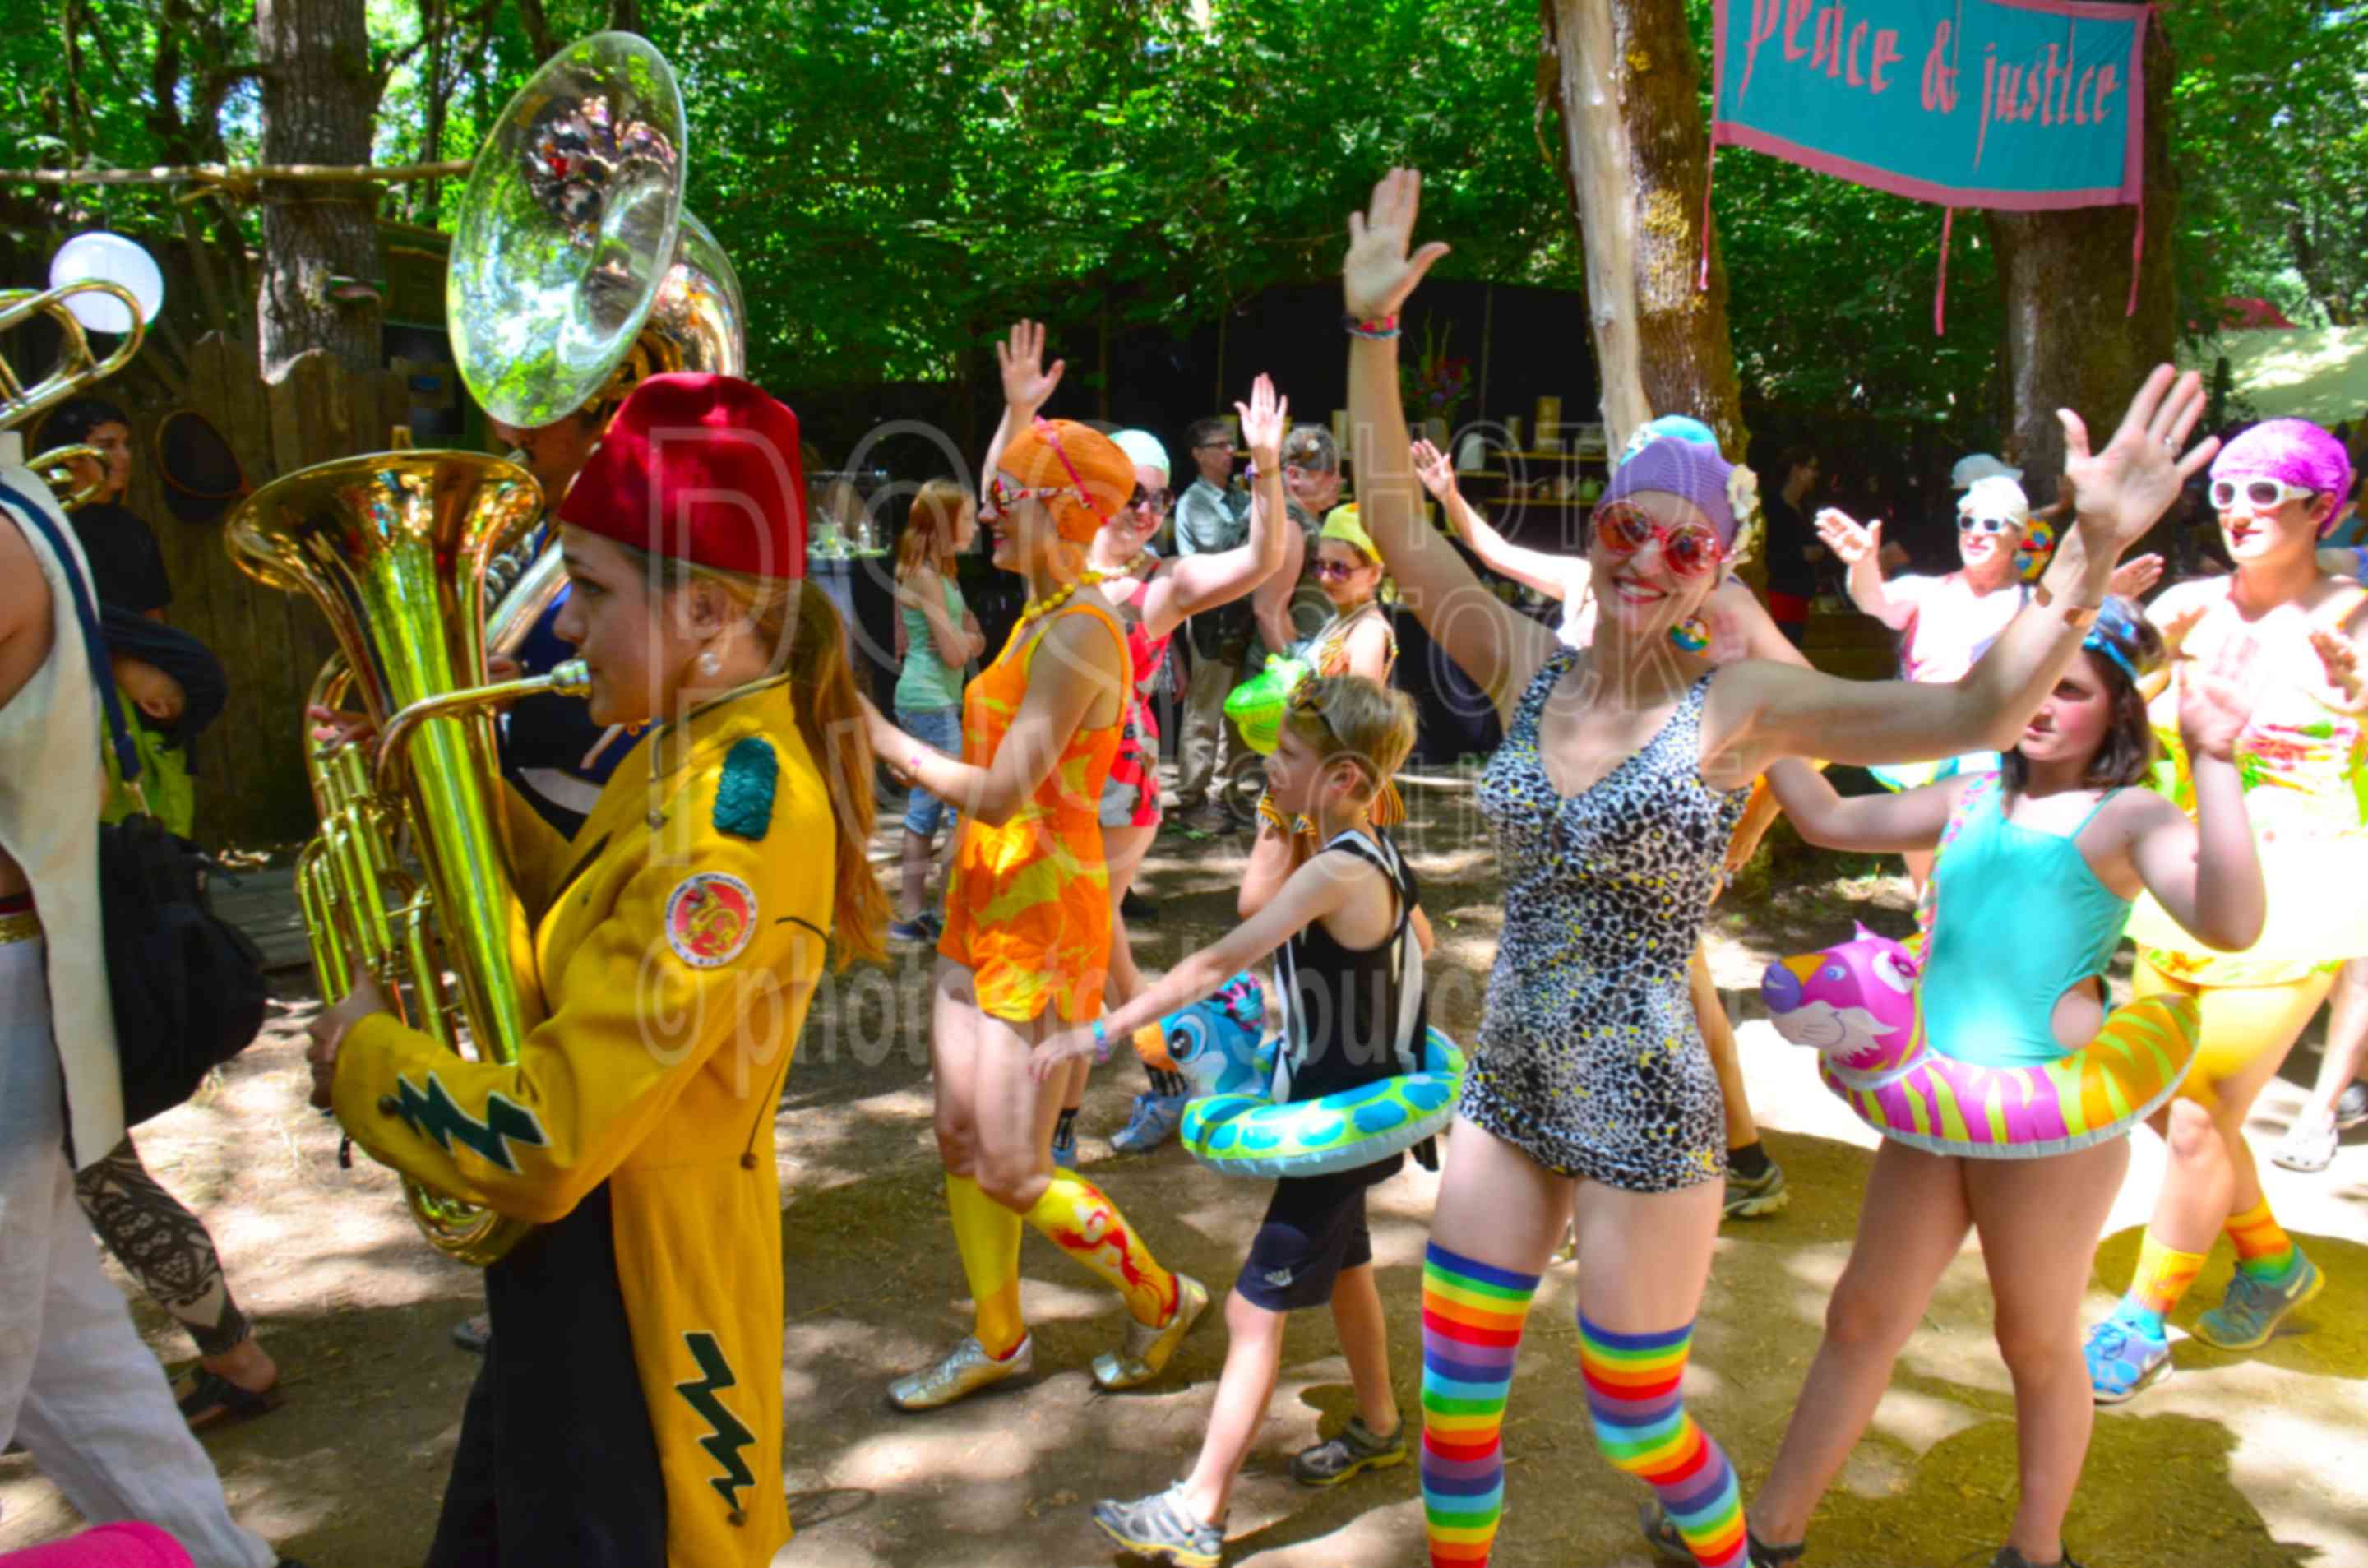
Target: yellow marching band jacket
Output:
{"points": [[678, 938]]}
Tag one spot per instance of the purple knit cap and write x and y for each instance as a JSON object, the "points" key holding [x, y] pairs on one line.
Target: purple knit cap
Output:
{"points": [[1681, 468], [2294, 450]]}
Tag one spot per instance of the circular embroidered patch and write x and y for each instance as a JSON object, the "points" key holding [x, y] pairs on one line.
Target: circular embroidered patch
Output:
{"points": [[710, 919]]}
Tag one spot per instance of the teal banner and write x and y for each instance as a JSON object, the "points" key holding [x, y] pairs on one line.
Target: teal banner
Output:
{"points": [[2015, 104]]}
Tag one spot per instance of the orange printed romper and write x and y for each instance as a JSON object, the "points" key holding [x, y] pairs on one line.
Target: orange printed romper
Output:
{"points": [[1028, 903]]}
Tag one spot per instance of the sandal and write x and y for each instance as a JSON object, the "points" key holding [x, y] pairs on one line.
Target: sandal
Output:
{"points": [[474, 1334], [2306, 1147], [214, 1401]]}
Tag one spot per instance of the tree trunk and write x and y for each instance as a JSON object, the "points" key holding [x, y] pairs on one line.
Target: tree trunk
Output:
{"points": [[2070, 340], [1638, 157], [320, 98]]}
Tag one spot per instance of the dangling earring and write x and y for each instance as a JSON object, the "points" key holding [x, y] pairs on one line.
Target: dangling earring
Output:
{"points": [[1691, 634], [709, 665]]}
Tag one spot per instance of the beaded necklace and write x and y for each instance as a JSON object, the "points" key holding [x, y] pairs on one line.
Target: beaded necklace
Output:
{"points": [[1034, 609]]}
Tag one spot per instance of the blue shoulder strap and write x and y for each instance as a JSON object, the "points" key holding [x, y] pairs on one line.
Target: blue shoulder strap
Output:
{"points": [[102, 669]]}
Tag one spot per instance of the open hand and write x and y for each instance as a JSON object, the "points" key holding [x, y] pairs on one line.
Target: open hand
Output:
{"points": [[2216, 701], [1430, 466], [1055, 1053], [2176, 629], [1848, 538], [1264, 419], [2121, 491], [2340, 658], [1379, 273], [1027, 385], [2134, 576]]}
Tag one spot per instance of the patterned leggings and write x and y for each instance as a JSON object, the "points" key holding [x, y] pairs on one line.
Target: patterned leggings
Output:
{"points": [[163, 1245]]}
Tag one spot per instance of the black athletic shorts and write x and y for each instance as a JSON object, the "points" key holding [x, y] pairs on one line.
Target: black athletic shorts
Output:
{"points": [[1314, 1229]]}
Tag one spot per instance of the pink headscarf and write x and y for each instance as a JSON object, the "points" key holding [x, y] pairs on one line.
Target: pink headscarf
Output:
{"points": [[2294, 450]]}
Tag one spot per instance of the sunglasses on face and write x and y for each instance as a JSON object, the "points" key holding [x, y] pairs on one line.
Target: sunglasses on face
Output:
{"points": [[1220, 446], [1334, 571], [2259, 493], [1968, 522], [1155, 501], [1004, 498], [1691, 549]]}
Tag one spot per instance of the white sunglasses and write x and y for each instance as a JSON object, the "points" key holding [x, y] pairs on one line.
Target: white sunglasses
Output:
{"points": [[2260, 494]]}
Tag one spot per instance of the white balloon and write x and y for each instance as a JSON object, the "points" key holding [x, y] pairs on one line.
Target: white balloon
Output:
{"points": [[117, 260]]}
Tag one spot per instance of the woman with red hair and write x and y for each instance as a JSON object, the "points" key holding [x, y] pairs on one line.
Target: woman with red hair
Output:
{"points": [[1027, 944]]}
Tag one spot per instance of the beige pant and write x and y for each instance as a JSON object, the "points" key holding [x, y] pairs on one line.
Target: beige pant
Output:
{"points": [[1210, 741]]}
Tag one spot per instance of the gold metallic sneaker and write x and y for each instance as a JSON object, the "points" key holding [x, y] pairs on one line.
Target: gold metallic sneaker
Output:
{"points": [[1147, 1350], [965, 1369]]}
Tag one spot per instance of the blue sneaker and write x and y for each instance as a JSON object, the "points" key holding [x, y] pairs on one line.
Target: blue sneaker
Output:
{"points": [[2251, 1311], [921, 929], [1065, 1150], [2124, 1356], [1152, 1123]]}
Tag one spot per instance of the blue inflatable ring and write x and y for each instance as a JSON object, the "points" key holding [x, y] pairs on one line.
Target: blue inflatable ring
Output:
{"points": [[1250, 1135]]}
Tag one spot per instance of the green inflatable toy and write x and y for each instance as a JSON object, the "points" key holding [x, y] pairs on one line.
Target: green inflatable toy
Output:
{"points": [[1255, 706]]}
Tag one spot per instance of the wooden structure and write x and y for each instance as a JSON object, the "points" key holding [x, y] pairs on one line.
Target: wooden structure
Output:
{"points": [[250, 784]]}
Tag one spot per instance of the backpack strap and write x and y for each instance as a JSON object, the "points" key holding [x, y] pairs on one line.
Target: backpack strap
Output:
{"points": [[102, 670], [1406, 1030]]}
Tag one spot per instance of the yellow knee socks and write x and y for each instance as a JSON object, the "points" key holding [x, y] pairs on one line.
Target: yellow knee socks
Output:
{"points": [[1075, 1216], [987, 1236], [2164, 1274]]}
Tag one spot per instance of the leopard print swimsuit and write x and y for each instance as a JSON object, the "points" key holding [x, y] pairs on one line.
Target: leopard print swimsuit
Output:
{"points": [[1588, 1059]]}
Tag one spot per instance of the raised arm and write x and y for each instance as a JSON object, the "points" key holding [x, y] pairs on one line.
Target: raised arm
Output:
{"points": [[1556, 577], [1881, 825], [1860, 546], [1270, 600], [2206, 873], [1496, 647], [1209, 578], [1026, 388], [1760, 712], [1075, 662]]}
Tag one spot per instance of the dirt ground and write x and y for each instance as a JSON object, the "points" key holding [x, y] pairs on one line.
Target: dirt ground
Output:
{"points": [[2239, 1460]]}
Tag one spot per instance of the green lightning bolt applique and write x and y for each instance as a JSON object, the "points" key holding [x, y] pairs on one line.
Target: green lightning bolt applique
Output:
{"points": [[728, 1437], [433, 1113]]}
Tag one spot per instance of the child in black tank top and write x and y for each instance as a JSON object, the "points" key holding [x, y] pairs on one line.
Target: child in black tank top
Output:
{"points": [[1351, 943]]}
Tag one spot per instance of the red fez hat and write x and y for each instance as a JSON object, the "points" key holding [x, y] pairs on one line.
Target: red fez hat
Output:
{"points": [[702, 469]]}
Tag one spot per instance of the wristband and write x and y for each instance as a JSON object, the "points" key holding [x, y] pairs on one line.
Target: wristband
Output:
{"points": [[2079, 618], [913, 766], [1101, 1044], [1379, 327]]}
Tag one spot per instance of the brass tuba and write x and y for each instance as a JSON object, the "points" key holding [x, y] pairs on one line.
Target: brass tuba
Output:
{"points": [[392, 547], [565, 239]]}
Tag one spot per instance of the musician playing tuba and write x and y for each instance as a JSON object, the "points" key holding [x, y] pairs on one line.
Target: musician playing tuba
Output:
{"points": [[630, 1408]]}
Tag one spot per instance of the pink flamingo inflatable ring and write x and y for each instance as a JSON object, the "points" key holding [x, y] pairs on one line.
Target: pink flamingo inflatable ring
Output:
{"points": [[1857, 1005]]}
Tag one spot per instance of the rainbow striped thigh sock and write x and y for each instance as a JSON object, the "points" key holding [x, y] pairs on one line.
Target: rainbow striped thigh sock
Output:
{"points": [[1631, 1393], [1470, 1327]]}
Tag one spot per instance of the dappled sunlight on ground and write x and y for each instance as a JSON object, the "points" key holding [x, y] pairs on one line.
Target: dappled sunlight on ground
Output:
{"points": [[2240, 1460]]}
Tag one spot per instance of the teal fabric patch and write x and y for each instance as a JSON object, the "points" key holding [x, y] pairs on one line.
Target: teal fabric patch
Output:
{"points": [[744, 801]]}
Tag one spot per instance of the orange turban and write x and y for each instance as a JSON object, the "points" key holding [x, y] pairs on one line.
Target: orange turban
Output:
{"points": [[1094, 476]]}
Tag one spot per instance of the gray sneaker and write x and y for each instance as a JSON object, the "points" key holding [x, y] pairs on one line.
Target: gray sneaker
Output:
{"points": [[1749, 1198], [1153, 1122], [2351, 1107], [963, 1371], [1149, 1350], [1158, 1529], [2251, 1311], [1355, 1449]]}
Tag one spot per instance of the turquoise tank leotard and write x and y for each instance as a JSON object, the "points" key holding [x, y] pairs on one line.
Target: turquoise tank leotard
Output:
{"points": [[2019, 919]]}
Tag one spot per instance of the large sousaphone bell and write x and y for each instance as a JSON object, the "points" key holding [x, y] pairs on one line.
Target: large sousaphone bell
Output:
{"points": [[568, 242], [575, 271]]}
